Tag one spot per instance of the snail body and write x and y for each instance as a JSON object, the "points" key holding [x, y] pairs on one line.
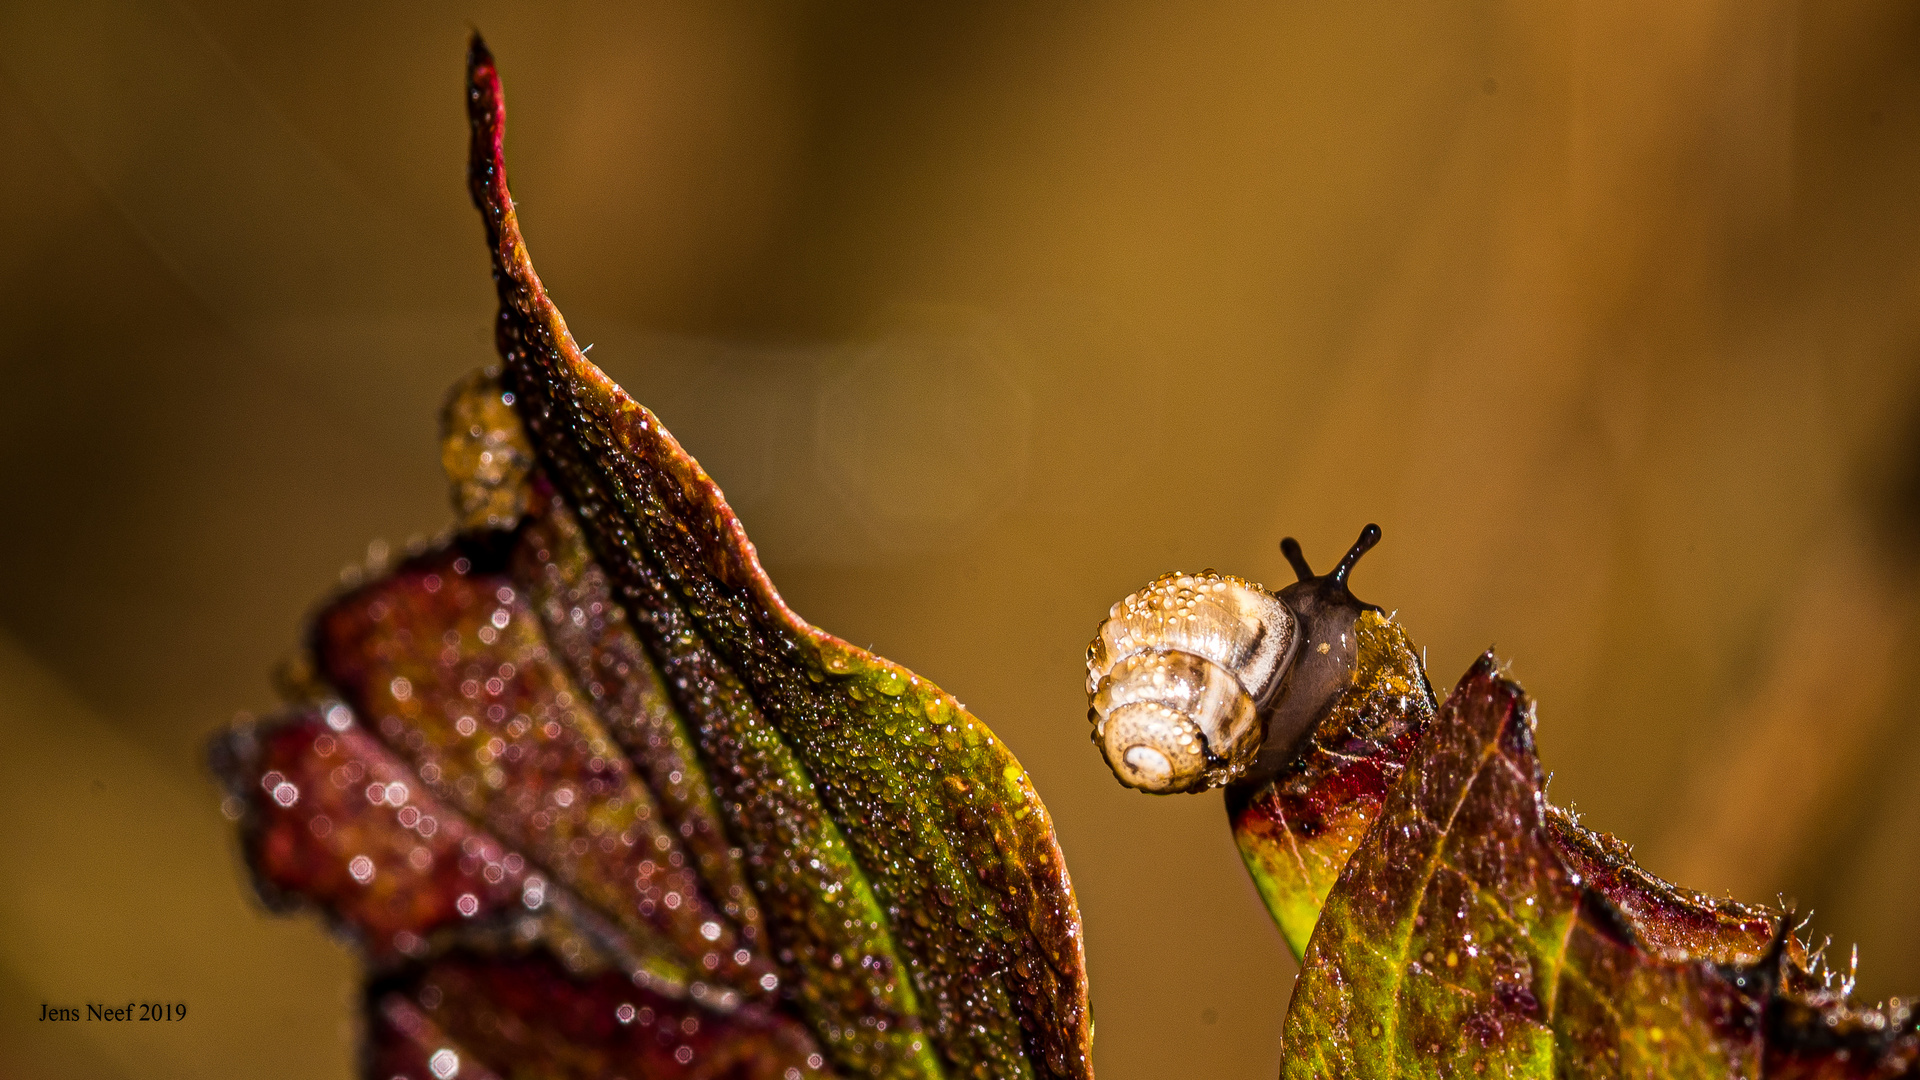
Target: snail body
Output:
{"points": [[1202, 680]]}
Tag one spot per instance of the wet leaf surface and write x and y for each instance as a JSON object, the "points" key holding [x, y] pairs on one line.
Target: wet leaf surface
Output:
{"points": [[595, 802], [403, 1041], [528, 1016], [1297, 831], [447, 660], [1474, 930], [1457, 943], [957, 899]]}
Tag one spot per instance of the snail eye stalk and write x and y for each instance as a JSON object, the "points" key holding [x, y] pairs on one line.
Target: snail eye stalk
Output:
{"points": [[1296, 559]]}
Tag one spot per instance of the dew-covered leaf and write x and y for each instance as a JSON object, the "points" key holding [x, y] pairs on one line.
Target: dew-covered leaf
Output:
{"points": [[834, 767], [446, 657], [403, 1042], [529, 1017], [1457, 942], [333, 818], [595, 802], [1296, 831], [1475, 930]]}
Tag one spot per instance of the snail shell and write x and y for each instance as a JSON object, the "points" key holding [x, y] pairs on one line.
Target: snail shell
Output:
{"points": [[1178, 675]]}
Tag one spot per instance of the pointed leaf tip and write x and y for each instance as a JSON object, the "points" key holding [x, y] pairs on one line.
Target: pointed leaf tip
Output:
{"points": [[580, 772], [893, 786]]}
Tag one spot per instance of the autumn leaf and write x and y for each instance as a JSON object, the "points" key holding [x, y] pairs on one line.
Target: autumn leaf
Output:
{"points": [[1457, 942], [596, 802], [1449, 920], [1296, 832]]}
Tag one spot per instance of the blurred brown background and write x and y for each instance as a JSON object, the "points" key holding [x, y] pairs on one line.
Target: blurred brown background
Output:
{"points": [[983, 316]]}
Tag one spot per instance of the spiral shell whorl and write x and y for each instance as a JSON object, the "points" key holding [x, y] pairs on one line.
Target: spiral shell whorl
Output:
{"points": [[1176, 676]]}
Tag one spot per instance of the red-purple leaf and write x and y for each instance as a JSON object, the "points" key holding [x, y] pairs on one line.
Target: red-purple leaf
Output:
{"points": [[1463, 939], [403, 1043], [530, 1017], [929, 811], [338, 820], [448, 659], [1457, 942], [597, 803]]}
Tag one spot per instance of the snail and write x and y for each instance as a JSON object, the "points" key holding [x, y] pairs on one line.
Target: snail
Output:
{"points": [[1202, 680]]}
